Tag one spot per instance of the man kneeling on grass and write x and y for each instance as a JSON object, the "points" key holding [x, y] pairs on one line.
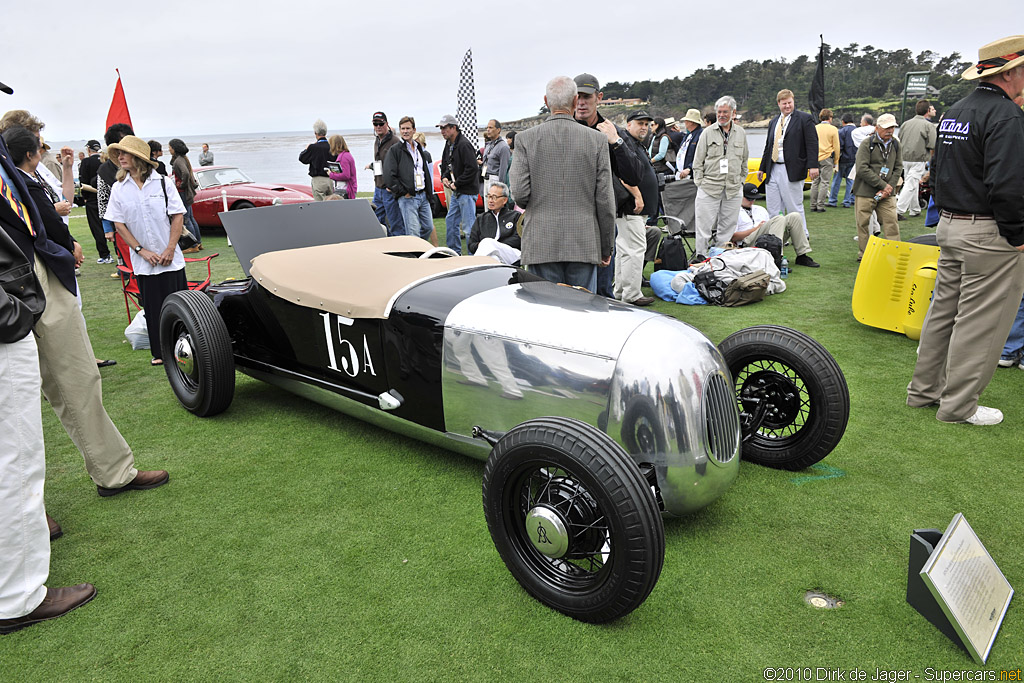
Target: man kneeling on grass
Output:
{"points": [[754, 221]]}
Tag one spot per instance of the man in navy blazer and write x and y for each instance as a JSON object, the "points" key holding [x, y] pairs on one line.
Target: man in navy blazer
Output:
{"points": [[790, 151]]}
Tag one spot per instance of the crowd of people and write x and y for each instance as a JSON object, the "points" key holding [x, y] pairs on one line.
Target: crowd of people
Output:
{"points": [[561, 199]]}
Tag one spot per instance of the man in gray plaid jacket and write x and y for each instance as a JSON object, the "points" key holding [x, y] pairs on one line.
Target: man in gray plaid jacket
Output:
{"points": [[561, 175]]}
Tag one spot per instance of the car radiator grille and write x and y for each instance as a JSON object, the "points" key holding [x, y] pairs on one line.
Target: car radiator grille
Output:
{"points": [[721, 419]]}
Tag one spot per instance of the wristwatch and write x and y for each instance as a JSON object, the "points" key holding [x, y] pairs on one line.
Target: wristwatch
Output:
{"points": [[138, 248], [618, 142]]}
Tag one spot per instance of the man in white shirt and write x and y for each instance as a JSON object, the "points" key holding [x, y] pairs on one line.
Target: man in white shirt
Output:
{"points": [[754, 221]]}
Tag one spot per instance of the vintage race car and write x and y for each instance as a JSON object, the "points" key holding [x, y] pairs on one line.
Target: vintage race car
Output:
{"points": [[217, 183], [595, 418]]}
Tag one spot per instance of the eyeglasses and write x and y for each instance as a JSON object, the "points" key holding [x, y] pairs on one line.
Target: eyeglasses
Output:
{"points": [[377, 124], [495, 197]]}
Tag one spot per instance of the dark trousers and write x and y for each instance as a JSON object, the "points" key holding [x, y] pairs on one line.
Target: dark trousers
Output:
{"points": [[154, 289], [92, 212]]}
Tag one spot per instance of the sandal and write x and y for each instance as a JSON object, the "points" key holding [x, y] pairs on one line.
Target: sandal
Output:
{"points": [[105, 363], [156, 362]]}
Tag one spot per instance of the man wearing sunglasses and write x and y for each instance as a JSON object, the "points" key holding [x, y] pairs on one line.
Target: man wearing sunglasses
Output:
{"points": [[385, 204]]}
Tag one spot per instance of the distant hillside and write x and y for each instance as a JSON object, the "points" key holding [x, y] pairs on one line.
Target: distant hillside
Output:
{"points": [[857, 79]]}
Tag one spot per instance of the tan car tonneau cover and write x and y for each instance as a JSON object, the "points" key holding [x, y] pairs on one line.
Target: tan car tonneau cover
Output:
{"points": [[355, 279]]}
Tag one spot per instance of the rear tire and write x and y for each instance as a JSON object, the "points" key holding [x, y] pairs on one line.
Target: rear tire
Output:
{"points": [[197, 353], [807, 402], [242, 205], [573, 518]]}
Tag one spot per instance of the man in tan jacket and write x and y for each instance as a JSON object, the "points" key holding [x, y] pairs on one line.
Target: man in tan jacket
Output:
{"points": [[828, 160]]}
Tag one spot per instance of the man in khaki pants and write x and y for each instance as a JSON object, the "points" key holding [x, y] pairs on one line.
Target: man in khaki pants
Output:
{"points": [[979, 189], [879, 165]]}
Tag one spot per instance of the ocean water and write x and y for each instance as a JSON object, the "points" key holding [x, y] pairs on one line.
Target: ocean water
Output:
{"points": [[274, 157]]}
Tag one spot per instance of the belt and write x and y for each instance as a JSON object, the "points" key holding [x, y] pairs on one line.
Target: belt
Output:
{"points": [[966, 216]]}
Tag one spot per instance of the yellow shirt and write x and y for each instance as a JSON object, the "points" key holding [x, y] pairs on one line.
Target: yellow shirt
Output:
{"points": [[828, 142]]}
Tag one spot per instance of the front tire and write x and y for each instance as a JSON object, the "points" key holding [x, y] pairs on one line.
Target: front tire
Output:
{"points": [[800, 388], [196, 341], [573, 518], [239, 206]]}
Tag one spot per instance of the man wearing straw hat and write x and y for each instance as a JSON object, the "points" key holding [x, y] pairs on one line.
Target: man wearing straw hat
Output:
{"points": [[979, 190]]}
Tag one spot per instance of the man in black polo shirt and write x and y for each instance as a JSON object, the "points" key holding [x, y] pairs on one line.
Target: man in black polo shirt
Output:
{"points": [[317, 155], [979, 190], [87, 176]]}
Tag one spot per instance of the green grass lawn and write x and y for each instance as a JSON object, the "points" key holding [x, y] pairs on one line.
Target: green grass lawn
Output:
{"points": [[296, 543]]}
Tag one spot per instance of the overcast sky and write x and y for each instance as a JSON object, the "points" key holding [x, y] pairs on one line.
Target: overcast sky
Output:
{"points": [[191, 68]]}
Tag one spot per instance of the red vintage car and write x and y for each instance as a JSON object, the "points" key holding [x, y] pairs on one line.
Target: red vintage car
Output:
{"points": [[438, 202], [241, 192]]}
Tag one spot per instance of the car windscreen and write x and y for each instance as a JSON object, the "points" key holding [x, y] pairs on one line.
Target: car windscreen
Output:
{"points": [[221, 176]]}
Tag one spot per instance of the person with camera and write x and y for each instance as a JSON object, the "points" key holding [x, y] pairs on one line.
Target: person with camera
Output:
{"points": [[879, 165]]}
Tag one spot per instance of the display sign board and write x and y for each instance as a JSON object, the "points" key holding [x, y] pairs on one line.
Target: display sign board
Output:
{"points": [[968, 586], [917, 84]]}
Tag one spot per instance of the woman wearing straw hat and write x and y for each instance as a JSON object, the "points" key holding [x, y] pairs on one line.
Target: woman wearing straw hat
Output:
{"points": [[148, 214]]}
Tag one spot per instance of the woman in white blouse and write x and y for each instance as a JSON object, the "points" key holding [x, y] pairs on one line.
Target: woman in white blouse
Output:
{"points": [[148, 214]]}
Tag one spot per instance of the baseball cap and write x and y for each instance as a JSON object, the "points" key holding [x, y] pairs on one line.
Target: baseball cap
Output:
{"points": [[447, 120], [93, 145], [639, 115], [750, 190], [379, 117], [586, 83], [886, 121]]}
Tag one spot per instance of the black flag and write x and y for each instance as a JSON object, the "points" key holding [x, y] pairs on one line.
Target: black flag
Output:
{"points": [[816, 97]]}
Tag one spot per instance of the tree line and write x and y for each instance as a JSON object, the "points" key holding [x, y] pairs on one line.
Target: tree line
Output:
{"points": [[854, 75]]}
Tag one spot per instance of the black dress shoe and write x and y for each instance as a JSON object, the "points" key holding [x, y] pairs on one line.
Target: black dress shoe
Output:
{"points": [[143, 480], [57, 603], [55, 530], [805, 260]]}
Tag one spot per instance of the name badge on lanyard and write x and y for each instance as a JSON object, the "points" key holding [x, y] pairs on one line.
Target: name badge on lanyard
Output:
{"points": [[723, 166], [378, 167], [418, 180]]}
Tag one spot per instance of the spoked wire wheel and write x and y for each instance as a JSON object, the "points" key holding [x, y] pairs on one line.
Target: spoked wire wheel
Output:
{"points": [[573, 518], [793, 398]]}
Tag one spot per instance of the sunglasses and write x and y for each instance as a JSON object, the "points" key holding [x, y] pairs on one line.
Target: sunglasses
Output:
{"points": [[380, 123]]}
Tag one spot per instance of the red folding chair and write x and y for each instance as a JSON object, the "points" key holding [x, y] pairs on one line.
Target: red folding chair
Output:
{"points": [[130, 284]]}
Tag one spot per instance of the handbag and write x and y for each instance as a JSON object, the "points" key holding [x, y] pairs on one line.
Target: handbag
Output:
{"points": [[187, 239]]}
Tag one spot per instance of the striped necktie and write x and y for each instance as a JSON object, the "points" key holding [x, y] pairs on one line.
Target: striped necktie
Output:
{"points": [[778, 139], [8, 192]]}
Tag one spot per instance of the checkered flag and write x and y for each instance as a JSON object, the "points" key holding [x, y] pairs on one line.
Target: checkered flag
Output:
{"points": [[466, 112]]}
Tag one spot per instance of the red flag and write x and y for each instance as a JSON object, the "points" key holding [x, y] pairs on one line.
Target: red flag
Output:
{"points": [[118, 106]]}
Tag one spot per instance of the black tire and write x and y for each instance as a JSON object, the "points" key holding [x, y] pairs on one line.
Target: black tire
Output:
{"points": [[642, 431], [238, 206], [613, 545], [807, 400], [196, 348]]}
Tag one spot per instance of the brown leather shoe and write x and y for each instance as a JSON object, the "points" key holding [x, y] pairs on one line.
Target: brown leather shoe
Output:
{"points": [[643, 301], [55, 530], [148, 479], [57, 603]]}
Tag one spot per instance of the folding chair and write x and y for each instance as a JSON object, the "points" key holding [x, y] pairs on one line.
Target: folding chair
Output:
{"points": [[130, 284]]}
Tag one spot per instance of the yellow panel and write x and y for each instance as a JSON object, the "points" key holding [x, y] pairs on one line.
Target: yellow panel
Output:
{"points": [[890, 289]]}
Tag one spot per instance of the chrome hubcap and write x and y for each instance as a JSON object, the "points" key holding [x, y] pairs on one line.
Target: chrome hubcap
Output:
{"points": [[547, 531], [183, 355]]}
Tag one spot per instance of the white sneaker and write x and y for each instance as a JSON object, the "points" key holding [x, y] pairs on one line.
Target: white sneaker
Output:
{"points": [[984, 416], [1007, 362]]}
